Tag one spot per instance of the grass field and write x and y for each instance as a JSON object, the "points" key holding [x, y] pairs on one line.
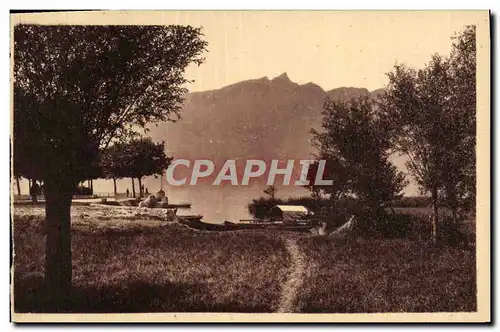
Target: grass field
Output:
{"points": [[128, 261], [386, 276], [163, 268]]}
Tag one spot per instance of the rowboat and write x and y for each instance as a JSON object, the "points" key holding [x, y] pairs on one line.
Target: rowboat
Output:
{"points": [[196, 223], [270, 226]]}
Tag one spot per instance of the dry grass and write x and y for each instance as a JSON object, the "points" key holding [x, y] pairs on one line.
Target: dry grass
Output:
{"points": [[131, 261], [359, 276], [166, 268]]}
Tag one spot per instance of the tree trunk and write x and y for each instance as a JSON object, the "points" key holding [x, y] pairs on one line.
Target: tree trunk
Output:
{"points": [[435, 220], [58, 242], [34, 194], [455, 217], [114, 186], [133, 188], [92, 186], [140, 187], [18, 186], [452, 201]]}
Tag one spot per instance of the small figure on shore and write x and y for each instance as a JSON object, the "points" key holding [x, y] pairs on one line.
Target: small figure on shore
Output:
{"points": [[147, 192], [128, 192]]}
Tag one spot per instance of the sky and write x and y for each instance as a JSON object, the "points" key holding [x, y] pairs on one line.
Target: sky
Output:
{"points": [[331, 49]]}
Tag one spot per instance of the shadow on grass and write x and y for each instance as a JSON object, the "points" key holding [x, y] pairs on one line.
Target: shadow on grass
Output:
{"points": [[131, 297]]}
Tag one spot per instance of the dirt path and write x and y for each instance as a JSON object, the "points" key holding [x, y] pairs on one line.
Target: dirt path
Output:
{"points": [[295, 279]]}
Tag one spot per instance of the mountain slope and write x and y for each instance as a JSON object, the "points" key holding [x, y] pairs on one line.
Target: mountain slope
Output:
{"points": [[261, 118], [255, 119]]}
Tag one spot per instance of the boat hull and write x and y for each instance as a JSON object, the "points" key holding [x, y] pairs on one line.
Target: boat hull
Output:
{"points": [[196, 223]]}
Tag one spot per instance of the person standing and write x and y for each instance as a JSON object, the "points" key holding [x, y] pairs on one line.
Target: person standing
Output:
{"points": [[128, 192]]}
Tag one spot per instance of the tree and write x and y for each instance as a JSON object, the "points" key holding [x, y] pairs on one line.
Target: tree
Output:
{"points": [[271, 191], [18, 185], [15, 174], [333, 170], [262, 207], [355, 142], [76, 89], [23, 164], [112, 163], [432, 111], [143, 157], [459, 169], [415, 101]]}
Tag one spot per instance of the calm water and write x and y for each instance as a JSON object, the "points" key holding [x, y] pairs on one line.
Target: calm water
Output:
{"points": [[216, 204]]}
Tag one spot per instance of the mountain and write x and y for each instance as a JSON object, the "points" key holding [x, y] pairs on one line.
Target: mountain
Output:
{"points": [[255, 119], [260, 118]]}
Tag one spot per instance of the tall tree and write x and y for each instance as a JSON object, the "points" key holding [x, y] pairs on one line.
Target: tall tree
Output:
{"points": [[356, 143], [113, 162], [459, 169], [77, 88], [432, 111], [416, 102]]}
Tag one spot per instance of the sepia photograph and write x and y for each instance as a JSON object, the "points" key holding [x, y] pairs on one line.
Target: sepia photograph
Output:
{"points": [[250, 166]]}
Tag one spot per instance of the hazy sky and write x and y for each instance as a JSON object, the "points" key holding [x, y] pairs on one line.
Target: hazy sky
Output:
{"points": [[331, 49]]}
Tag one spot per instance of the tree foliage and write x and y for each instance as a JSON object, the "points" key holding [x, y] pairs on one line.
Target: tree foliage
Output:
{"points": [[79, 87], [356, 144], [432, 112], [113, 161], [143, 157], [134, 159]]}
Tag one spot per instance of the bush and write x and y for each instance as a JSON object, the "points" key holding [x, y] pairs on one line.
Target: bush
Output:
{"points": [[450, 234], [394, 226], [413, 202], [83, 191]]}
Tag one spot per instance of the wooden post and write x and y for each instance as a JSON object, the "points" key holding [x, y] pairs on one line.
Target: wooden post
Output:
{"points": [[161, 181], [18, 186]]}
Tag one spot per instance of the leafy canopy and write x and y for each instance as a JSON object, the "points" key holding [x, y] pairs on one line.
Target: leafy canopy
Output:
{"points": [[433, 117], [135, 159], [77, 88], [355, 142]]}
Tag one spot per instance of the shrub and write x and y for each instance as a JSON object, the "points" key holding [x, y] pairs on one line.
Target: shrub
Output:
{"points": [[413, 201], [83, 191], [393, 226], [450, 234]]}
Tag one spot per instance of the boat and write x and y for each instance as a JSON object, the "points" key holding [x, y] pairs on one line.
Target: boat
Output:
{"points": [[195, 222], [270, 226]]}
